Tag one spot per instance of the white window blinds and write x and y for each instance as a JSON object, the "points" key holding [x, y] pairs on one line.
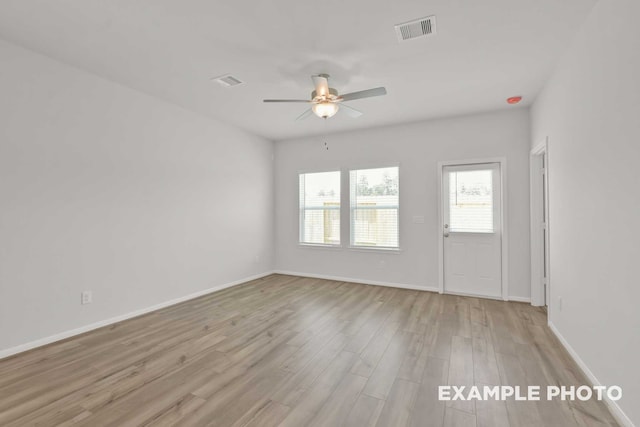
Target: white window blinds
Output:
{"points": [[374, 200], [320, 208], [471, 201]]}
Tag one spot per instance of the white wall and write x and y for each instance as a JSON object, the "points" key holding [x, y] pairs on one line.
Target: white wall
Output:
{"points": [[107, 189], [590, 110], [417, 147]]}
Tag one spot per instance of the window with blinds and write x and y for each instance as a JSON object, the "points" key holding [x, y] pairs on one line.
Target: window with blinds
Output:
{"points": [[320, 208], [374, 200], [471, 201]]}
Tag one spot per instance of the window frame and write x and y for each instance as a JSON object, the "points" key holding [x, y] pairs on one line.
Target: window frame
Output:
{"points": [[490, 167], [369, 248], [302, 210]]}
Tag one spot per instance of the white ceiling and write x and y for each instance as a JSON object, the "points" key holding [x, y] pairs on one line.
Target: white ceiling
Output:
{"points": [[485, 51]]}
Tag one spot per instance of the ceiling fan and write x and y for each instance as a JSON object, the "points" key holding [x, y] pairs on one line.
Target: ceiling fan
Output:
{"points": [[326, 102]]}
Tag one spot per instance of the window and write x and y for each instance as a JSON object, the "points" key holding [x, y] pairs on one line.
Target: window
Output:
{"points": [[320, 208], [471, 201], [374, 207]]}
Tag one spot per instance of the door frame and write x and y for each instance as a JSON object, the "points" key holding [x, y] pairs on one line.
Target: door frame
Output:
{"points": [[536, 202], [504, 238]]}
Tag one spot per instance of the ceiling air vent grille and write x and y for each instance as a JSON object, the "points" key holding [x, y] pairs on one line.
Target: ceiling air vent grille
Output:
{"points": [[423, 27], [227, 80]]}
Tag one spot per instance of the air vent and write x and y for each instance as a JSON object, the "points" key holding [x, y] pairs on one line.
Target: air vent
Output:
{"points": [[227, 80], [423, 27]]}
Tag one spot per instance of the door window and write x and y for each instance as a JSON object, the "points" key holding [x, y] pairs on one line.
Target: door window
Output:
{"points": [[471, 201]]}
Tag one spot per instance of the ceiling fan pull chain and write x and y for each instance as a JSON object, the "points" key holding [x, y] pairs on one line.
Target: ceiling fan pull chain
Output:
{"points": [[326, 146]]}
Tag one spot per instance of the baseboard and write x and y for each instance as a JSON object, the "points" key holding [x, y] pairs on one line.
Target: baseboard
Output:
{"points": [[615, 409], [67, 334], [362, 281], [388, 284], [466, 294], [520, 299]]}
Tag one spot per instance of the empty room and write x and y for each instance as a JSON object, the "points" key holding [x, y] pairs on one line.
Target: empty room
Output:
{"points": [[340, 213]]}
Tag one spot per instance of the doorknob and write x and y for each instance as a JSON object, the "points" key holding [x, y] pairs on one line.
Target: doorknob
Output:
{"points": [[446, 230]]}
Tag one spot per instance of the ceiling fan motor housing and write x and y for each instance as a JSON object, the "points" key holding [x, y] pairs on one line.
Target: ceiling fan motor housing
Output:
{"points": [[332, 96]]}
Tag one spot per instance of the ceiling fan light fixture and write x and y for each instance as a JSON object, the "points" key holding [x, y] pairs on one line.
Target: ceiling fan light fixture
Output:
{"points": [[325, 109], [325, 101]]}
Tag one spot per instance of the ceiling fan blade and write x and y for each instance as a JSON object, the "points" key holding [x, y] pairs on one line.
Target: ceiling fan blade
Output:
{"points": [[348, 111], [321, 82], [304, 115], [285, 100], [364, 94]]}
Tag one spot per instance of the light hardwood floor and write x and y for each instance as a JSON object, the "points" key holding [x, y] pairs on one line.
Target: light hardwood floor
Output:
{"points": [[291, 351]]}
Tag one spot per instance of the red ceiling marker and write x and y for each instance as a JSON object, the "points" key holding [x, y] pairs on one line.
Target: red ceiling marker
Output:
{"points": [[514, 100]]}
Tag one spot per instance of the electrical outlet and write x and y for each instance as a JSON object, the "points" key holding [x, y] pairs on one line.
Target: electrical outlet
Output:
{"points": [[86, 297], [559, 303]]}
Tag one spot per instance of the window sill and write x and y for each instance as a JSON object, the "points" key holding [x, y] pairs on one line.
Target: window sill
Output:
{"points": [[319, 246], [394, 251], [369, 249]]}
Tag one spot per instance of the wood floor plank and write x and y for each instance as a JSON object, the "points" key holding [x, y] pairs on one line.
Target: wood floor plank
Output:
{"points": [[239, 403], [428, 411], [456, 418], [440, 345], [521, 413], [536, 372], [292, 351], [322, 389], [291, 390], [398, 407], [362, 336], [386, 371], [365, 412], [269, 415], [485, 366], [415, 361], [371, 355], [337, 408], [461, 370], [492, 413], [176, 412], [418, 317]]}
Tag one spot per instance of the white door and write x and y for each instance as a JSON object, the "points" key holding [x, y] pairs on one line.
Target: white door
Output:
{"points": [[472, 229]]}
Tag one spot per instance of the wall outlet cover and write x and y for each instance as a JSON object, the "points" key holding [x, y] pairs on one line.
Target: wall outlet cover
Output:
{"points": [[86, 297]]}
